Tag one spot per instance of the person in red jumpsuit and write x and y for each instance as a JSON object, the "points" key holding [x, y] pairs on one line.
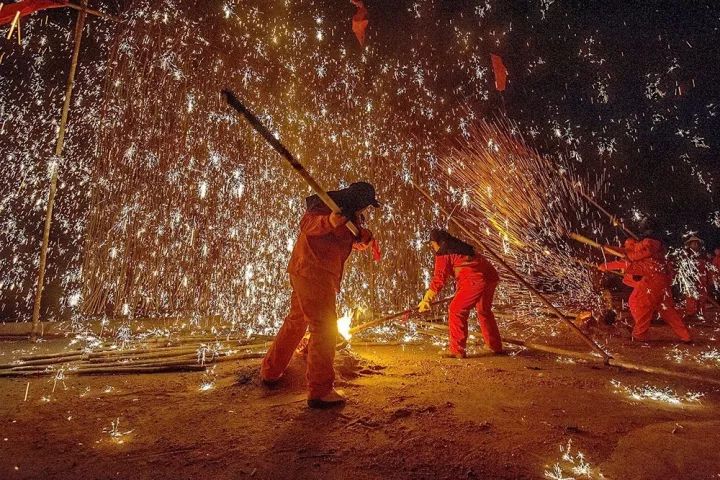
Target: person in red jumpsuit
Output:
{"points": [[648, 273], [695, 304], [475, 279], [316, 269]]}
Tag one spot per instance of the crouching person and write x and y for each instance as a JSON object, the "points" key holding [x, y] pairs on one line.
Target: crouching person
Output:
{"points": [[476, 280]]}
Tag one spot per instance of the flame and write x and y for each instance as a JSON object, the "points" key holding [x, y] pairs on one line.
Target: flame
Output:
{"points": [[343, 324]]}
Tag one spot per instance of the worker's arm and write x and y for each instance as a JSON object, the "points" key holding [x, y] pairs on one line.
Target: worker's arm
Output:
{"points": [[616, 265], [313, 224], [443, 268], [363, 242]]}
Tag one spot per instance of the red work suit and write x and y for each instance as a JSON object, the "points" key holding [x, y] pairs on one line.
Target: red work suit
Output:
{"points": [[695, 306], [476, 280], [651, 294], [316, 269]]}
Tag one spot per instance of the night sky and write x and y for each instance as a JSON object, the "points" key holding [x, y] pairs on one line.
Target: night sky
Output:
{"points": [[656, 167]]}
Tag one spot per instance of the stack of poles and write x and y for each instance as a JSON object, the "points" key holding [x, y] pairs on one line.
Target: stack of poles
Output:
{"points": [[179, 354]]}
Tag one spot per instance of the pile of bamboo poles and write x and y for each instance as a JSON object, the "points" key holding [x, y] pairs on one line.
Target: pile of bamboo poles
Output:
{"points": [[179, 354]]}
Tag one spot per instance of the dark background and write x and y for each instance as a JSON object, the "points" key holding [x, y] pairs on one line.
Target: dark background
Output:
{"points": [[622, 45]]}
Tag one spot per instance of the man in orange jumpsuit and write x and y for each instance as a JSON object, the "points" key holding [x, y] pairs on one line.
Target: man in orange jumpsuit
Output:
{"points": [[695, 303], [316, 269], [651, 293], [476, 280]]}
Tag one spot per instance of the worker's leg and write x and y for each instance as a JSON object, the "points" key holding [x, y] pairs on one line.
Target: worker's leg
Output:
{"points": [[670, 315], [317, 298], [642, 312], [281, 351], [465, 299], [486, 318]]}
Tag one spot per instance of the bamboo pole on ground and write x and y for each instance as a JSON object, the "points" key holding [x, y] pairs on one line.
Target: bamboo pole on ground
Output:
{"points": [[79, 27], [606, 356], [387, 318], [590, 358], [613, 362]]}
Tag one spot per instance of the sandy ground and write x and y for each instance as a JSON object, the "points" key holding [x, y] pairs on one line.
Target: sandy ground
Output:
{"points": [[410, 415]]}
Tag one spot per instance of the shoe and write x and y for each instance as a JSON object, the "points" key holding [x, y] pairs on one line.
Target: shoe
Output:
{"points": [[332, 399], [449, 354], [270, 382]]}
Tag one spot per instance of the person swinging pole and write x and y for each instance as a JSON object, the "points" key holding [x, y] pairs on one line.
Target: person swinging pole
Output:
{"points": [[476, 280], [316, 270]]}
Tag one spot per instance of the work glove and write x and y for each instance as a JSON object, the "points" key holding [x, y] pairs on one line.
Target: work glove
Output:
{"points": [[424, 305]]}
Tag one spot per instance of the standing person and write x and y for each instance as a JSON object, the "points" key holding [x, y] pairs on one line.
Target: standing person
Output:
{"points": [[316, 268], [696, 299], [476, 280], [649, 274]]}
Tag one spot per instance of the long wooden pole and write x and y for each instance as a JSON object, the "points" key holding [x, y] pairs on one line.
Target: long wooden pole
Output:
{"points": [[387, 318], [79, 26], [613, 362], [607, 249], [94, 12], [606, 356], [255, 122], [613, 219]]}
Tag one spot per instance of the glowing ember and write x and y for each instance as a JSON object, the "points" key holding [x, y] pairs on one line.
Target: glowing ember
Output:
{"points": [[343, 324], [572, 466], [657, 394]]}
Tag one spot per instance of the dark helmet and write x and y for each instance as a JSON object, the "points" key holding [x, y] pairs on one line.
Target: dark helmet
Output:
{"points": [[350, 199]]}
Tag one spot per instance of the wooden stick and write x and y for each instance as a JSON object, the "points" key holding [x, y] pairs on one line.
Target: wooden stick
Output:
{"points": [[613, 219], [51, 355], [380, 321], [139, 370], [613, 362], [233, 101], [93, 12], [519, 277], [593, 243], [13, 24], [79, 26]]}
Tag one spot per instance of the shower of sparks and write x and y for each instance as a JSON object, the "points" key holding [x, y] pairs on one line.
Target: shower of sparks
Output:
{"points": [[658, 394], [572, 466], [687, 273], [168, 205], [521, 206], [208, 381], [706, 358]]}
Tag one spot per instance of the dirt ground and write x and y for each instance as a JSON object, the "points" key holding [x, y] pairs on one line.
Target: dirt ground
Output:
{"points": [[410, 415]]}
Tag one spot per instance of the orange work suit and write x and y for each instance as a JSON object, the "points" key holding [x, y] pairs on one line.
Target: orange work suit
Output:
{"points": [[316, 269]]}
